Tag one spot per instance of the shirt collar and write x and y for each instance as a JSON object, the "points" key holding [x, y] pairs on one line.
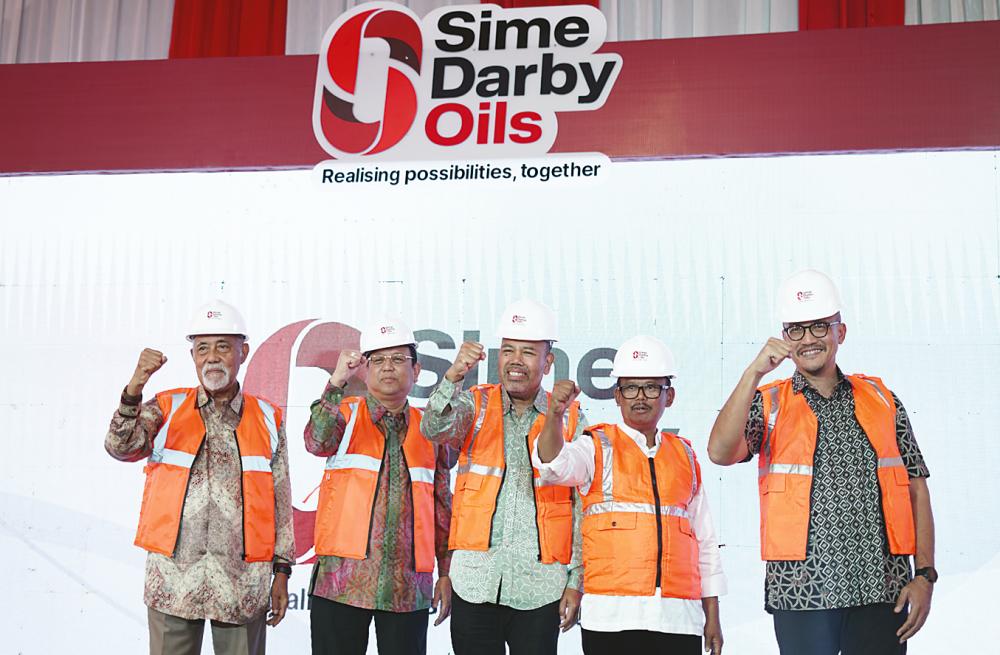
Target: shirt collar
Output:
{"points": [[236, 404], [378, 411], [540, 403], [799, 382], [635, 434]]}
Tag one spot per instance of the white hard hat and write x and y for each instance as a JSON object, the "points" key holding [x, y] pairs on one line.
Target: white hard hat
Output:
{"points": [[806, 296], [528, 320], [644, 357], [386, 332], [217, 317]]}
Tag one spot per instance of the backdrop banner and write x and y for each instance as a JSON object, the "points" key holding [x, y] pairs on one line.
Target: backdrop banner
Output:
{"points": [[95, 267]]}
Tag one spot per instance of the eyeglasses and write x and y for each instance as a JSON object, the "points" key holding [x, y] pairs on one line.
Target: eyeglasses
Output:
{"points": [[396, 359], [818, 330], [650, 391]]}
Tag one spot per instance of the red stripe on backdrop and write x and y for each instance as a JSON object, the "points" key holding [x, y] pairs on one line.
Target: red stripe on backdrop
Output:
{"points": [[935, 87], [228, 28], [826, 14]]}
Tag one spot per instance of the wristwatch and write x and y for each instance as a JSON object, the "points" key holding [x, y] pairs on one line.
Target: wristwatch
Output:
{"points": [[279, 567], [928, 572]]}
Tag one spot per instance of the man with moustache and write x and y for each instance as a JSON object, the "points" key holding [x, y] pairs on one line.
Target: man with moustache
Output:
{"points": [[516, 567], [384, 505], [216, 512], [843, 487], [651, 559]]}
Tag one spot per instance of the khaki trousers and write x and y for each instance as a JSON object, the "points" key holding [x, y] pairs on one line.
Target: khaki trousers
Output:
{"points": [[172, 635]]}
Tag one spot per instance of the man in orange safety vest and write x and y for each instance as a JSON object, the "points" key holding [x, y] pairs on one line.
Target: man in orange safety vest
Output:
{"points": [[652, 571], [216, 513], [842, 485]]}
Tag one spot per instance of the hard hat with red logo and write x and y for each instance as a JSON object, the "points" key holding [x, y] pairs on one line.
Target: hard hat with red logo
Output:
{"points": [[806, 296], [386, 332], [217, 317], [644, 357], [528, 320]]}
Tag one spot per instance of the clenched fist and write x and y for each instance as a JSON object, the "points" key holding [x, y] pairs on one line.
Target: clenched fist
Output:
{"points": [[348, 364], [469, 355], [150, 361], [770, 356], [564, 392]]}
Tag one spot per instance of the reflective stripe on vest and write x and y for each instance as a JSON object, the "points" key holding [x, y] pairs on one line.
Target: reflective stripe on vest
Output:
{"points": [[168, 470], [620, 518], [160, 442], [347, 493], [642, 508], [480, 475], [785, 467]]}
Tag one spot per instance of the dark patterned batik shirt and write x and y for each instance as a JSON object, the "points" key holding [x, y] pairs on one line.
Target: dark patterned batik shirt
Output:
{"points": [[387, 578], [847, 562]]}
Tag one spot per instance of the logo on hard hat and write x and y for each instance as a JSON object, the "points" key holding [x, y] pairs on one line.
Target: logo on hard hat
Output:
{"points": [[388, 329], [517, 319], [640, 354], [803, 296], [212, 313]]}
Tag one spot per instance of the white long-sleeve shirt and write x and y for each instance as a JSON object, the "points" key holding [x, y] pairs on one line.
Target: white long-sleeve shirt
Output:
{"points": [[574, 466]]}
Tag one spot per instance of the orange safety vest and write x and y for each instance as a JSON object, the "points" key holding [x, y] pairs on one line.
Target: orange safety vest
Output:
{"points": [[481, 469], [350, 482], [785, 467], [174, 449], [637, 533]]}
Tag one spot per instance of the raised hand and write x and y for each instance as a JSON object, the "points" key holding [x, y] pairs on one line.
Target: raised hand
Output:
{"points": [[770, 356], [150, 361], [469, 355], [564, 392], [347, 366]]}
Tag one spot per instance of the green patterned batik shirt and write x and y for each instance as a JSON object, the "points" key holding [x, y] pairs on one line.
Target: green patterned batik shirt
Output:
{"points": [[509, 573]]}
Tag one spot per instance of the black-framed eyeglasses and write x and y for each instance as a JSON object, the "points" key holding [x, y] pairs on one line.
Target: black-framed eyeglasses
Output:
{"points": [[819, 330], [650, 391], [397, 359]]}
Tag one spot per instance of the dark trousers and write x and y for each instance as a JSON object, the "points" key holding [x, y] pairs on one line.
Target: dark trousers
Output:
{"points": [[483, 628], [864, 630], [639, 641], [339, 629]]}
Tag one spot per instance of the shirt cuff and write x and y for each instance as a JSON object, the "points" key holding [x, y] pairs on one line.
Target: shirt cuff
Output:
{"points": [[333, 394], [714, 585], [129, 399], [444, 565], [575, 579], [127, 410], [554, 470]]}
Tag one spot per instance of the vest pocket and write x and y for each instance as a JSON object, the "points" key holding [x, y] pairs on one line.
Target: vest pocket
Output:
{"points": [[774, 482], [614, 521], [472, 482], [685, 526]]}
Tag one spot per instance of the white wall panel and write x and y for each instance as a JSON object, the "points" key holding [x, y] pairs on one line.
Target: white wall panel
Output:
{"points": [[95, 267]]}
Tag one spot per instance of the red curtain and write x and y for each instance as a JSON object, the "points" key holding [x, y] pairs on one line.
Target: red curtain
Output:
{"points": [[517, 4], [228, 28], [825, 14]]}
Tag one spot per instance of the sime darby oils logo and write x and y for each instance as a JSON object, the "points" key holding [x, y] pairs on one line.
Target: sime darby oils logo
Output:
{"points": [[466, 81]]}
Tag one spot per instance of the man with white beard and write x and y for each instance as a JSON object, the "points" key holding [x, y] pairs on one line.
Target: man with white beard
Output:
{"points": [[216, 512]]}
